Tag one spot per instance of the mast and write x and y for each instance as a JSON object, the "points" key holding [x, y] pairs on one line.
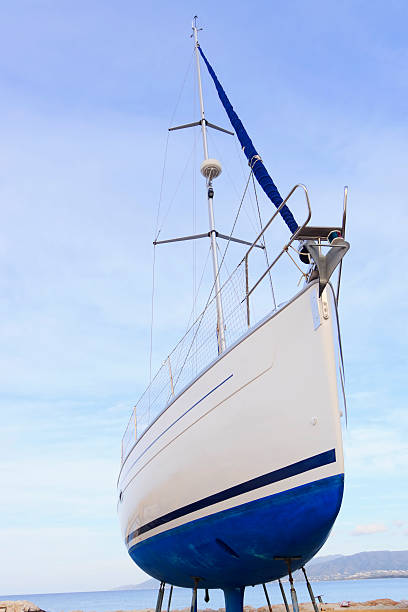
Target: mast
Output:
{"points": [[210, 171]]}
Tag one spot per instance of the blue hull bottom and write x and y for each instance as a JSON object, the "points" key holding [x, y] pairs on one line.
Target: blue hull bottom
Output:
{"points": [[236, 547]]}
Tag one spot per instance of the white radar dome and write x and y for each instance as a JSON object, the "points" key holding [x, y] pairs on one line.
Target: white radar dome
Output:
{"points": [[211, 168]]}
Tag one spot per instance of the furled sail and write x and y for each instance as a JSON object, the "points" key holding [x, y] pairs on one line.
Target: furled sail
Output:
{"points": [[254, 160]]}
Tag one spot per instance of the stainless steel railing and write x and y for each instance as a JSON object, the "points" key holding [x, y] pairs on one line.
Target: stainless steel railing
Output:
{"points": [[249, 290], [198, 348]]}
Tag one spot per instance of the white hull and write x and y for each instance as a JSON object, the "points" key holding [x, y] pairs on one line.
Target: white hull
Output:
{"points": [[270, 401]]}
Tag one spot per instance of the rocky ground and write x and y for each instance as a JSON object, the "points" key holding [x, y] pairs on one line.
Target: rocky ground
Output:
{"points": [[19, 606]]}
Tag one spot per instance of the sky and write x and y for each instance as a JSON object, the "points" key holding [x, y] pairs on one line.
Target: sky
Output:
{"points": [[88, 92]]}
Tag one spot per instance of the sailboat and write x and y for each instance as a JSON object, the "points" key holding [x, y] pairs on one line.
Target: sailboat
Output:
{"points": [[196, 509]]}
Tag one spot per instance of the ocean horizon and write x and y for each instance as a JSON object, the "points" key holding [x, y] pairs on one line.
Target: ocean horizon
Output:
{"points": [[139, 599]]}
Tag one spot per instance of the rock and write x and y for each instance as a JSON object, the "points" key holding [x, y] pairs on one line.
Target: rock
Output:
{"points": [[380, 602], [19, 606]]}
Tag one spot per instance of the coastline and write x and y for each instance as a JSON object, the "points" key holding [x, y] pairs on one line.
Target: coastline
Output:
{"points": [[138, 600], [377, 605]]}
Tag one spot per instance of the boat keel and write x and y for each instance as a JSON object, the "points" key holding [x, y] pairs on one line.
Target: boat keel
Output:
{"points": [[234, 599]]}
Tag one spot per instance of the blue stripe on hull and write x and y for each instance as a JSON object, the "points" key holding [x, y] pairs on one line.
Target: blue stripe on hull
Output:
{"points": [[236, 547], [300, 467]]}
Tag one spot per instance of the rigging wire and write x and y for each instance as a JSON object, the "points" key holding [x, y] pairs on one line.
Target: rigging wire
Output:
{"points": [[235, 221], [156, 231], [226, 170], [198, 289], [238, 153], [192, 313], [230, 276], [257, 213], [216, 278], [151, 323], [264, 243], [167, 141], [176, 192]]}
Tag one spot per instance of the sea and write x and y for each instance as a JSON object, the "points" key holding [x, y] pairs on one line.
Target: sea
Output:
{"points": [[139, 599]]}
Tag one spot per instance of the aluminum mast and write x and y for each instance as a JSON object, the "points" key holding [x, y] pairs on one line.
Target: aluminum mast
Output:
{"points": [[210, 195]]}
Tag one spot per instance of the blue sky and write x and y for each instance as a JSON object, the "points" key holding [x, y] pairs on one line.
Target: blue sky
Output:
{"points": [[88, 90]]}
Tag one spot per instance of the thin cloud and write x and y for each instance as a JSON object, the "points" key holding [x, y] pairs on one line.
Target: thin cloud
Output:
{"points": [[369, 529]]}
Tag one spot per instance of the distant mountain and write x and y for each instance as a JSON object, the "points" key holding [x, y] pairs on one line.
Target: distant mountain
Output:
{"points": [[152, 583], [373, 564], [317, 560]]}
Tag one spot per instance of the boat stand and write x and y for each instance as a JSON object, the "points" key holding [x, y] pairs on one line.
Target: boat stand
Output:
{"points": [[234, 597], [288, 561], [309, 588], [193, 607], [169, 600], [160, 596], [285, 601], [267, 597]]}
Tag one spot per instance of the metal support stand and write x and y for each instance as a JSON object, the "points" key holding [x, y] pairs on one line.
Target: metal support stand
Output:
{"points": [[288, 561], [309, 588], [160, 596], [170, 596], [285, 601], [267, 597], [194, 597], [293, 595]]}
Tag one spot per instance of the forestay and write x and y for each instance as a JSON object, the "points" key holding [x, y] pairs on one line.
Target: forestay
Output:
{"points": [[255, 162]]}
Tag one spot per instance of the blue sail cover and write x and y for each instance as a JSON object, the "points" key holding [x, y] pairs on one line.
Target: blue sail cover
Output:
{"points": [[255, 162]]}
